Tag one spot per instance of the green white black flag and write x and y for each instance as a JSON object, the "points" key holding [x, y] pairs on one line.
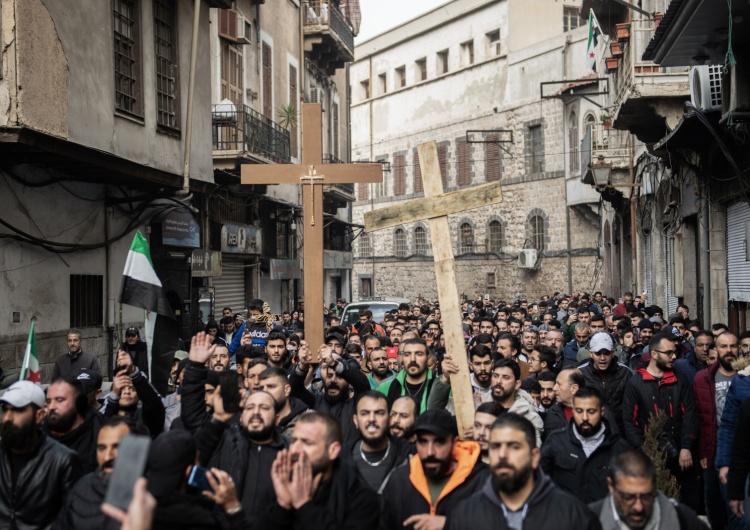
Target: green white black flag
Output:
{"points": [[141, 286]]}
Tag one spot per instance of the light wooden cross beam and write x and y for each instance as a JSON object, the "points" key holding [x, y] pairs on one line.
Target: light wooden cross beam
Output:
{"points": [[312, 175], [436, 206]]}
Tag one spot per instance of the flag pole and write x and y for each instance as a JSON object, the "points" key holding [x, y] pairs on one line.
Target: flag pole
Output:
{"points": [[27, 353]]}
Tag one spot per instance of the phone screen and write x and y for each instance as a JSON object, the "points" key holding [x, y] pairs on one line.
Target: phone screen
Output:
{"points": [[198, 480], [129, 466]]}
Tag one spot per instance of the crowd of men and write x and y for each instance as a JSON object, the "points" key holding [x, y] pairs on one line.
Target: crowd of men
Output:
{"points": [[590, 414]]}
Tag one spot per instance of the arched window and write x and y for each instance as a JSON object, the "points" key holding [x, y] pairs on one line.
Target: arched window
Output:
{"points": [[420, 241], [536, 231], [573, 141], [465, 238], [495, 236], [399, 243], [365, 246]]}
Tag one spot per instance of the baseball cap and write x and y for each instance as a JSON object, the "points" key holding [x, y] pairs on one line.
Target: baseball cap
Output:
{"points": [[392, 352], [132, 330], [180, 355], [657, 320], [22, 393], [90, 380], [601, 340], [438, 422], [645, 324], [169, 456], [338, 336], [672, 332]]}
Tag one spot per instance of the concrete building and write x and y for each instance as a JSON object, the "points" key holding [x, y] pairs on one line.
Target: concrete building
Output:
{"points": [[469, 76]]}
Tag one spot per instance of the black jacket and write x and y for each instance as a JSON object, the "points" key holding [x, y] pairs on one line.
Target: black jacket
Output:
{"points": [[672, 514], [611, 384], [179, 511], [69, 366], [341, 410], [193, 408], [564, 461], [644, 395], [150, 413], [139, 353], [554, 420], [83, 506], [224, 446], [404, 494], [402, 449], [41, 486], [549, 508], [287, 423], [739, 464], [82, 439], [343, 502]]}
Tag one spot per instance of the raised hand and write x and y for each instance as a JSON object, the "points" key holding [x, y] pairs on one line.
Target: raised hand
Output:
{"points": [[224, 492], [201, 348]]}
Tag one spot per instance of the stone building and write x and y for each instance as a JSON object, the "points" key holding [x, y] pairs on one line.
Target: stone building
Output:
{"points": [[469, 76]]}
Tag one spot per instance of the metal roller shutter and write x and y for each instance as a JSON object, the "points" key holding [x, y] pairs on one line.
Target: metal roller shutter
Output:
{"points": [[672, 301], [649, 261], [230, 287], [738, 268]]}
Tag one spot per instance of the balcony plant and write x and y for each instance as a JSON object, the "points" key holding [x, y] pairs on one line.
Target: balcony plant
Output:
{"points": [[615, 48], [623, 31], [287, 115], [612, 63], [606, 120]]}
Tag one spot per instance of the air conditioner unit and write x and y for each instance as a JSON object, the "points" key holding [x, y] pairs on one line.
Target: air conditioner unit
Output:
{"points": [[705, 87], [735, 93], [527, 258], [244, 31]]}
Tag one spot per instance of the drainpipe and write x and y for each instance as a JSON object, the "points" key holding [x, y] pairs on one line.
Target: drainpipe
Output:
{"points": [[372, 202], [191, 93], [706, 256], [568, 236], [633, 234]]}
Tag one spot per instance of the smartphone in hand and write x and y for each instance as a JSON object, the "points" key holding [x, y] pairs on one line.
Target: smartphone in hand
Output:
{"points": [[129, 467]]}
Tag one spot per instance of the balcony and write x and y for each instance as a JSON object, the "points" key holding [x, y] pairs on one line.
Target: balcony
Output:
{"points": [[648, 97], [247, 134], [329, 39], [338, 194]]}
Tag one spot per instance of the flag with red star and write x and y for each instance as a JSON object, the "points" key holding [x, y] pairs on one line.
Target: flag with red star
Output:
{"points": [[595, 31]]}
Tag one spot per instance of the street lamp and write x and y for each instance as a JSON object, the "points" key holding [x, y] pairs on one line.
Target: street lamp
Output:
{"points": [[601, 171]]}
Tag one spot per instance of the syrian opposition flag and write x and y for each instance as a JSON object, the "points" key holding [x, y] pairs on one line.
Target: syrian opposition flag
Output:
{"points": [[30, 366], [595, 32]]}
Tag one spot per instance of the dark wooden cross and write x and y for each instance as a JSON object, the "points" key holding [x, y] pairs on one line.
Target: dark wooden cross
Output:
{"points": [[312, 175]]}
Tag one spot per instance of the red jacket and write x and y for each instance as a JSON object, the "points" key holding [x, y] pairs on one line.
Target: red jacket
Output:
{"points": [[704, 387]]}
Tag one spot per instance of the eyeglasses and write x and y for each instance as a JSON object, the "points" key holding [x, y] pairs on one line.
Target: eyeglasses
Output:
{"points": [[668, 353], [630, 498]]}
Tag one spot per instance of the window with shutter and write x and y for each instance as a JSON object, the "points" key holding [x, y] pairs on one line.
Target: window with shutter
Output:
{"points": [[464, 162], [443, 162], [267, 82], [399, 243], [362, 191], [335, 127], [128, 83], [165, 50], [493, 161], [465, 238], [418, 184], [232, 76], [421, 245], [495, 236], [399, 180], [228, 24]]}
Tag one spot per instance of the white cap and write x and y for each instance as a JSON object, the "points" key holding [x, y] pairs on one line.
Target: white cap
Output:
{"points": [[22, 393], [601, 340]]}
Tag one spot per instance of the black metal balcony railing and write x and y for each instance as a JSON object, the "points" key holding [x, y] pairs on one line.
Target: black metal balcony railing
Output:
{"points": [[322, 14], [250, 131], [346, 188]]}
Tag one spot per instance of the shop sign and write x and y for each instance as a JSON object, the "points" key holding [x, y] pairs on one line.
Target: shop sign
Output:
{"points": [[180, 229], [240, 239], [206, 263]]}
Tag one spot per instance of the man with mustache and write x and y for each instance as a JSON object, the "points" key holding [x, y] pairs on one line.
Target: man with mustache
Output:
{"points": [[634, 503], [517, 494], [547, 397], [415, 378], [507, 393], [245, 446], [82, 509], [577, 457], [484, 418], [444, 472], [377, 362], [276, 382], [480, 377], [403, 418], [376, 453], [711, 387], [36, 472]]}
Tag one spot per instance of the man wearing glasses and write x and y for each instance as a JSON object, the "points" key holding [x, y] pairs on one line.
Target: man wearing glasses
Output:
{"points": [[657, 388], [634, 502]]}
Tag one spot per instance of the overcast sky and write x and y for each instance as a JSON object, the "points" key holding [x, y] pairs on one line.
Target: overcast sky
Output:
{"points": [[381, 15]]}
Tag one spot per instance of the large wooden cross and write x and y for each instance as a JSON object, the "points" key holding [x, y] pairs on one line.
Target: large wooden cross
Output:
{"points": [[312, 175], [436, 206]]}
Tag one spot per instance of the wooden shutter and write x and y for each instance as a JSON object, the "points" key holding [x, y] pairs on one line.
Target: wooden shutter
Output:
{"points": [[493, 163], [464, 162], [418, 184], [267, 82], [228, 24], [399, 184], [335, 112], [362, 189], [443, 161]]}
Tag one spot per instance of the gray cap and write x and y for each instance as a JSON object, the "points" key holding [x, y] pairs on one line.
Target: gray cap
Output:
{"points": [[22, 393]]}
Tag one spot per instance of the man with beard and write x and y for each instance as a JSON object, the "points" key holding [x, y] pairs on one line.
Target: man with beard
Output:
{"points": [[275, 382], [70, 421], [198, 384], [137, 348], [518, 495], [576, 458], [507, 393], [338, 377], [657, 388], [376, 453], [69, 364], [508, 347], [556, 341], [606, 374], [567, 383], [634, 503], [36, 472], [314, 487], [219, 360], [697, 359], [377, 362], [402, 419], [276, 351], [82, 508], [529, 340], [480, 377], [444, 472], [484, 418], [244, 446], [131, 387], [547, 396], [415, 379], [711, 387]]}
